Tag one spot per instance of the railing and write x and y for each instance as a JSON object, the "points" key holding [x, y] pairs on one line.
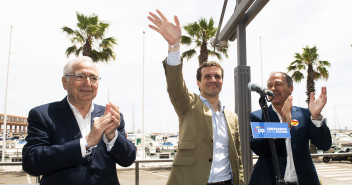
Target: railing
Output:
{"points": [[137, 162], [146, 161]]}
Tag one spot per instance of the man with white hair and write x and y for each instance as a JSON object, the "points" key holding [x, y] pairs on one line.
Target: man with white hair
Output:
{"points": [[75, 141]]}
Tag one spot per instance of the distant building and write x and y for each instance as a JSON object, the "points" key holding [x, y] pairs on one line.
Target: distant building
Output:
{"points": [[15, 124]]}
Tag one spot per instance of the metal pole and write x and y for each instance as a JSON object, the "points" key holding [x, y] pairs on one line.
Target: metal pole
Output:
{"points": [[136, 172], [5, 116], [261, 60], [243, 98], [143, 139], [216, 40]]}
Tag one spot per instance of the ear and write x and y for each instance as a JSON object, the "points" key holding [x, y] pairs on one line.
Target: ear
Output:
{"points": [[198, 83], [291, 89], [64, 82]]}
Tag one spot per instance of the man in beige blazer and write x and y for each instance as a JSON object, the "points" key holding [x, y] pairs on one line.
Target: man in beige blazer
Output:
{"points": [[209, 141]]}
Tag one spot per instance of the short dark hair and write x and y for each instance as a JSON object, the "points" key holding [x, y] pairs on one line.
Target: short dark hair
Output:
{"points": [[287, 77], [208, 64]]}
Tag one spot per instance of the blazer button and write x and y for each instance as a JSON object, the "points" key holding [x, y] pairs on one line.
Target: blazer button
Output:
{"points": [[210, 160]]}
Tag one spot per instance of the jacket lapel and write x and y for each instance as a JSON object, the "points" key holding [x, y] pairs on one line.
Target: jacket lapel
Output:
{"points": [[231, 129], [293, 130], [96, 113], [69, 119], [230, 123], [272, 115], [208, 119]]}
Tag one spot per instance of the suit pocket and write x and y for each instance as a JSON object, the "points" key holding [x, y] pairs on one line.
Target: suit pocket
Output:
{"points": [[187, 145], [184, 161], [185, 154]]}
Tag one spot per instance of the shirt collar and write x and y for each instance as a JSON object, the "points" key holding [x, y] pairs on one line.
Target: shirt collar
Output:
{"points": [[73, 108], [206, 102]]}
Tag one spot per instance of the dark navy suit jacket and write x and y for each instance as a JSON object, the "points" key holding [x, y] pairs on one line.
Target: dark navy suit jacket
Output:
{"points": [[53, 149], [263, 173]]}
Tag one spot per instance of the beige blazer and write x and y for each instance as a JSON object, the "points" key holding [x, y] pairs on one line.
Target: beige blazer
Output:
{"points": [[193, 160]]}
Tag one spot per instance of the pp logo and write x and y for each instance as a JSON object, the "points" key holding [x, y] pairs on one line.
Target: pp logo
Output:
{"points": [[259, 129]]}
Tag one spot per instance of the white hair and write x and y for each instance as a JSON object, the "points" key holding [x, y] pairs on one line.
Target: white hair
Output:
{"points": [[69, 65]]}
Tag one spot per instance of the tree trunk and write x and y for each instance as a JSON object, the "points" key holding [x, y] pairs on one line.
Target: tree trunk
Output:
{"points": [[310, 88], [310, 82], [203, 56], [87, 49]]}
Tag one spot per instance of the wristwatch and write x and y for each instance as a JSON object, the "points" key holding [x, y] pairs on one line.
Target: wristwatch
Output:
{"points": [[318, 119], [88, 149]]}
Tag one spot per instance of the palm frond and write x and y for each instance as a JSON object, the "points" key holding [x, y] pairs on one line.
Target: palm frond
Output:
{"points": [[70, 50], [323, 72], [188, 54], [324, 63], [108, 42], [214, 53], [186, 40], [67, 30], [297, 76], [78, 51]]}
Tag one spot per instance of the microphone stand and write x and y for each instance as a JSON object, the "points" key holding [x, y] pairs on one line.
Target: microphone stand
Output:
{"points": [[264, 107]]}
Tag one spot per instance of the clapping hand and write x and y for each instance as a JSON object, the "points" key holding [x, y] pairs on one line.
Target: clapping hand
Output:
{"points": [[106, 124], [317, 105]]}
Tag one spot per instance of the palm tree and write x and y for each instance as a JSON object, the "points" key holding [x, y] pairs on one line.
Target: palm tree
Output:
{"points": [[200, 33], [316, 69], [89, 39]]}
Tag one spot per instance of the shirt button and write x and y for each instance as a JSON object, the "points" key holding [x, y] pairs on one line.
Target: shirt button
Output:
{"points": [[210, 160]]}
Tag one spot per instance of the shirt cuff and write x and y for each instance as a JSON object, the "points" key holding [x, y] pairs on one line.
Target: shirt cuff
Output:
{"points": [[110, 144], [317, 123], [82, 143], [174, 58]]}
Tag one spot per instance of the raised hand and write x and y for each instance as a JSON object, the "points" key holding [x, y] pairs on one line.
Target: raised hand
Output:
{"points": [[171, 32], [115, 117], [106, 124], [317, 105], [99, 127], [286, 111]]}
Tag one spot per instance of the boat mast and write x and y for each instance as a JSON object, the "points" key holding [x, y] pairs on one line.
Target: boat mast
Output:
{"points": [[5, 116]]}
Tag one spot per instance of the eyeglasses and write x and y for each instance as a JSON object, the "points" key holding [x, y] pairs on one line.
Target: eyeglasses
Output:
{"points": [[82, 76]]}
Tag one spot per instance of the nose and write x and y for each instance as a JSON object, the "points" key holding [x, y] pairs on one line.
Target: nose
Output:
{"points": [[213, 79], [87, 81], [271, 88]]}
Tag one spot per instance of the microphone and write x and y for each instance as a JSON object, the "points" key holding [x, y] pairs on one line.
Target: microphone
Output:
{"points": [[259, 89]]}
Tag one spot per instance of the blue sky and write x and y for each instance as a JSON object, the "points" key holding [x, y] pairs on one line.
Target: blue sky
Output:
{"points": [[285, 27]]}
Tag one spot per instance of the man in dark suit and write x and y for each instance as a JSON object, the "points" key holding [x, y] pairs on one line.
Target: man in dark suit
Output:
{"points": [[74, 141], [296, 165]]}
